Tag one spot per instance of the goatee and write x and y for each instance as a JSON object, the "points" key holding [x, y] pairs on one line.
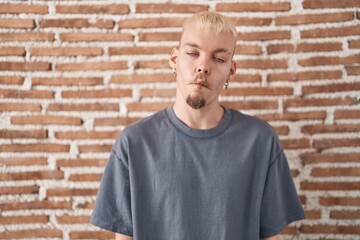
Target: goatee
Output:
{"points": [[195, 102]]}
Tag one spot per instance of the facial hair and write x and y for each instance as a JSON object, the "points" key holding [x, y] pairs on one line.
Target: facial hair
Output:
{"points": [[196, 102]]}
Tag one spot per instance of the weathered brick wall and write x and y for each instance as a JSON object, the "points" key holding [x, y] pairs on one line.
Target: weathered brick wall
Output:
{"points": [[74, 73]]}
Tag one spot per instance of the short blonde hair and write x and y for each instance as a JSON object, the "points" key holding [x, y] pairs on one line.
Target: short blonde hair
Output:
{"points": [[212, 21]]}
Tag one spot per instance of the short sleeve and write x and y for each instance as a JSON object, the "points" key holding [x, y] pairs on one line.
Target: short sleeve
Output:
{"points": [[280, 203], [112, 209]]}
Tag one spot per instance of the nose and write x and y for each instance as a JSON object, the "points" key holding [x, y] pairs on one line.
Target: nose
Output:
{"points": [[203, 66]]}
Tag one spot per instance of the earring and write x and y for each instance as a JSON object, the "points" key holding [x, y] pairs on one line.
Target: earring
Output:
{"points": [[174, 71], [226, 84]]}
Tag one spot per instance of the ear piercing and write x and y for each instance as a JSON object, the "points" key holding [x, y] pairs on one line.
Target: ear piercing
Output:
{"points": [[174, 71], [226, 84]]}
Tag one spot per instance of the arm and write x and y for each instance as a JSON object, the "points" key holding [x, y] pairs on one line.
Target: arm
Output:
{"points": [[276, 237], [119, 236]]}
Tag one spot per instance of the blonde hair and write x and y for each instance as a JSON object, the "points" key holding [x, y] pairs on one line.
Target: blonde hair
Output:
{"points": [[212, 21]]}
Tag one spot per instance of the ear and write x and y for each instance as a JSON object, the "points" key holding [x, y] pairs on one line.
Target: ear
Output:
{"points": [[173, 58], [232, 71]]}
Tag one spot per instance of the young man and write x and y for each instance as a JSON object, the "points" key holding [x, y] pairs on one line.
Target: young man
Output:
{"points": [[196, 170]]}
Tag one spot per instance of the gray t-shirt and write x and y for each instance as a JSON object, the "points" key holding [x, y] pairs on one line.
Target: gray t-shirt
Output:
{"points": [[166, 181]]}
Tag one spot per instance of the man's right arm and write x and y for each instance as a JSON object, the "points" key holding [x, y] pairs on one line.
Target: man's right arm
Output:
{"points": [[119, 236]]}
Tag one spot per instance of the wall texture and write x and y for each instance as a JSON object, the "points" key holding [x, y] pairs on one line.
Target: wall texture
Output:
{"points": [[73, 74]]}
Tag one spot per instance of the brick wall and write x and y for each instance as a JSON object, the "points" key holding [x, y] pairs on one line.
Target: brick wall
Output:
{"points": [[74, 73]]}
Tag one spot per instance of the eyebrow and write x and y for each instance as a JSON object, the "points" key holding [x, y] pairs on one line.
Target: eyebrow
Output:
{"points": [[224, 50]]}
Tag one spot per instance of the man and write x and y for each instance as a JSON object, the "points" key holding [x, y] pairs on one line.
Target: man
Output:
{"points": [[196, 170]]}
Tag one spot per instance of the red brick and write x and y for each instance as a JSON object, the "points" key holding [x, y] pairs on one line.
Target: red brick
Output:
{"points": [[105, 148], [23, 134], [293, 116], [96, 37], [248, 49], [262, 63], [16, 23], [330, 229], [313, 129], [66, 192], [87, 135], [282, 130], [258, 91], [87, 107], [32, 233], [159, 36], [317, 61], [107, 93], [76, 219], [313, 214], [20, 107], [81, 162], [288, 230], [339, 201], [86, 205], [35, 175], [352, 70], [253, 7], [115, 121], [142, 78], [66, 51], [152, 64], [295, 143], [313, 18], [11, 161], [345, 214], [341, 87], [346, 113], [331, 4], [331, 143], [62, 81], [354, 43], [264, 36], [94, 9], [246, 21], [25, 66], [150, 22], [331, 32], [254, 78], [85, 177], [139, 50], [23, 8], [309, 158], [303, 76], [11, 80], [304, 47], [24, 219], [306, 102], [92, 66], [91, 235], [15, 206], [46, 120], [329, 186], [246, 105], [165, 93], [12, 51], [335, 172], [20, 94], [76, 23], [35, 147], [18, 191], [170, 8], [147, 107], [27, 37]]}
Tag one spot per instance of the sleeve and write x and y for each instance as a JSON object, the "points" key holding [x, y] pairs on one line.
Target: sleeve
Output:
{"points": [[280, 203], [112, 209]]}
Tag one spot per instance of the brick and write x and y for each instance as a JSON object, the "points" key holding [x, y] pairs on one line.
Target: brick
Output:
{"points": [[86, 134], [46, 120], [352, 70], [330, 4], [27, 37], [35, 147], [313, 129], [282, 130], [259, 91], [341, 87], [63, 81], [339, 201], [331, 143], [66, 51], [34, 175], [147, 107], [24, 219], [354, 43], [243, 78], [94, 9], [170, 8], [115, 121], [306, 102], [309, 158], [25, 66], [289, 231], [70, 219], [246, 21], [85, 177], [23, 8], [81, 162], [23, 161], [318, 61], [329, 186], [12, 51], [151, 22], [345, 214], [295, 143], [246, 105], [313, 18], [38, 134], [264, 36], [91, 235], [304, 76], [105, 148], [346, 113], [11, 80], [66, 192], [330, 229], [16, 23], [335, 172], [293, 116], [248, 49], [107, 93], [313, 214], [32, 94], [86, 205], [330, 32], [32, 233], [141, 78], [159, 36], [92, 66], [253, 7], [304, 47], [262, 63], [86, 107], [96, 37], [15, 206], [20, 107], [76, 23], [18, 191], [152, 64], [165, 93], [139, 50]]}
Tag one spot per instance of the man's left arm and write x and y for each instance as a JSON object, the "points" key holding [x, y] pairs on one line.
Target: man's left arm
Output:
{"points": [[276, 237]]}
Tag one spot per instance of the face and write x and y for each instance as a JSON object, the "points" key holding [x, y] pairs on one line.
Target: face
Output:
{"points": [[203, 63]]}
